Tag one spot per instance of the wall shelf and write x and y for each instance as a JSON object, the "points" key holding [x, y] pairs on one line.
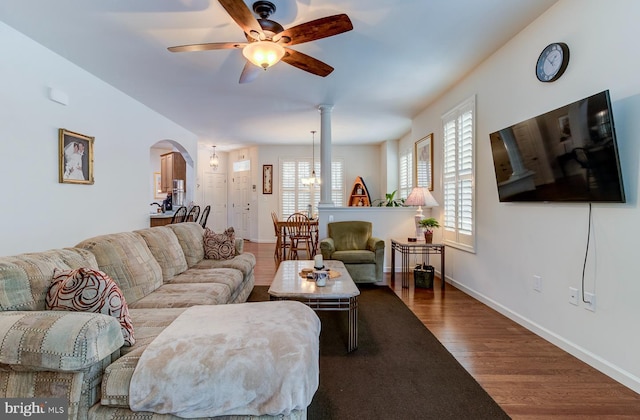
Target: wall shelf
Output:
{"points": [[359, 196]]}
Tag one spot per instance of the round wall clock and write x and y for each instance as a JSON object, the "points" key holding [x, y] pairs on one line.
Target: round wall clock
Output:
{"points": [[552, 62]]}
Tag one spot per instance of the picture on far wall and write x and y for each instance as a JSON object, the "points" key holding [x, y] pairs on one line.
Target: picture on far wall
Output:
{"points": [[267, 179], [423, 163], [75, 157]]}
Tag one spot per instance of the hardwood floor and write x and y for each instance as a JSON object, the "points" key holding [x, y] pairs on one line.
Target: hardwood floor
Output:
{"points": [[529, 377]]}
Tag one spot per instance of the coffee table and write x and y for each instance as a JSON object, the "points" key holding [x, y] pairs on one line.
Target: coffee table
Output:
{"points": [[339, 294]]}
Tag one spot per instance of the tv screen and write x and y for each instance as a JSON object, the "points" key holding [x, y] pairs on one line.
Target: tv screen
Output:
{"points": [[569, 154]]}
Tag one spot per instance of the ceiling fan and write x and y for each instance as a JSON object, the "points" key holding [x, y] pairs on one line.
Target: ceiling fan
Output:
{"points": [[268, 42]]}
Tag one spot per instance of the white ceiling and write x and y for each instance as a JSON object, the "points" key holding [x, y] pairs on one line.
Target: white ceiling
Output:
{"points": [[401, 55]]}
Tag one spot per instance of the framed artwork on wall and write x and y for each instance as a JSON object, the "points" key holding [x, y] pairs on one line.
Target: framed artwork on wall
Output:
{"points": [[423, 163], [157, 185], [267, 179], [75, 157]]}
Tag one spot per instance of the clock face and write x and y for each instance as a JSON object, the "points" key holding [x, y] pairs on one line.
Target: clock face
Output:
{"points": [[552, 62]]}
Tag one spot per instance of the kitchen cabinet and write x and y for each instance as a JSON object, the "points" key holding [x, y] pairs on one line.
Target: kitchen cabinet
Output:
{"points": [[172, 166]]}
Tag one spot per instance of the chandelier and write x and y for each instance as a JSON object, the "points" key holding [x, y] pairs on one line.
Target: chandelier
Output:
{"points": [[213, 160], [313, 180]]}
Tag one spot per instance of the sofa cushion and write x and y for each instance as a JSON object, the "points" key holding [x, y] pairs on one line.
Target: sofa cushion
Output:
{"points": [[185, 295], [25, 278], [166, 249], [219, 246], [117, 377], [126, 258], [88, 290], [190, 236], [229, 276], [244, 262], [149, 323], [355, 257]]}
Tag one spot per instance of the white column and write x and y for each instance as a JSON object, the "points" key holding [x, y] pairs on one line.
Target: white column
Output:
{"points": [[325, 154]]}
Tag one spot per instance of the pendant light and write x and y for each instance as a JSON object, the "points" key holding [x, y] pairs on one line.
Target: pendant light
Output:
{"points": [[313, 180], [213, 160]]}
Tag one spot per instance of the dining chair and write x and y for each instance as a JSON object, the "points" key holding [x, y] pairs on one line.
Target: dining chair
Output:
{"points": [[180, 215], [280, 252], [193, 214], [299, 234], [205, 216]]}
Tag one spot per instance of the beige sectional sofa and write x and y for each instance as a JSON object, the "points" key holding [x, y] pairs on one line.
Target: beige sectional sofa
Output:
{"points": [[161, 272]]}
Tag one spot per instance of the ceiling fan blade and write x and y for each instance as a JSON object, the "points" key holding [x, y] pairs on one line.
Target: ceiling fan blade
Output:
{"points": [[315, 29], [306, 63], [207, 46], [244, 18], [249, 72]]}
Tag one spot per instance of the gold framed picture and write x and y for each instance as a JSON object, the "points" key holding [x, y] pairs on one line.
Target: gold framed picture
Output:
{"points": [[267, 179], [423, 163], [75, 157]]}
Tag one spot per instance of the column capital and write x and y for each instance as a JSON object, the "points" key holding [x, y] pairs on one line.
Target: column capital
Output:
{"points": [[325, 107]]}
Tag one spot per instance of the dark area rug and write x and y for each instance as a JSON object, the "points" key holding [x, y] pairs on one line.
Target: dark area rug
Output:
{"points": [[399, 371]]}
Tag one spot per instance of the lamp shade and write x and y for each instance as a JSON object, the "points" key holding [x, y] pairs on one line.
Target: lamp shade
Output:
{"points": [[263, 53], [421, 196]]}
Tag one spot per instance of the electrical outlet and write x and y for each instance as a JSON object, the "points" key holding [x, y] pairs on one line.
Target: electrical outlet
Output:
{"points": [[573, 296], [590, 299], [537, 283]]}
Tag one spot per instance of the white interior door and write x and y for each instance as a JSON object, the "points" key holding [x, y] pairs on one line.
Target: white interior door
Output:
{"points": [[242, 203], [215, 195]]}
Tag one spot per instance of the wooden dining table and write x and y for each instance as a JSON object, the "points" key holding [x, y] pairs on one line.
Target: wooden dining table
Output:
{"points": [[282, 236]]}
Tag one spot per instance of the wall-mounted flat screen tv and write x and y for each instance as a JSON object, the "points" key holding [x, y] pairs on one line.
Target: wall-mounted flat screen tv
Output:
{"points": [[569, 154]]}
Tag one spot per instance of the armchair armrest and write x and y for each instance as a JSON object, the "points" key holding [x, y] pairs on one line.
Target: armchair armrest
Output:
{"points": [[327, 247], [239, 246], [57, 340], [373, 244]]}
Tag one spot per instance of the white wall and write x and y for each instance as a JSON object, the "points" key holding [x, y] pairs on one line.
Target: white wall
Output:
{"points": [[517, 241], [38, 213], [361, 161]]}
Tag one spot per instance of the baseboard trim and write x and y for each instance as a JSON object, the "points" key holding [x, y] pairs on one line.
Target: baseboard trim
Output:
{"points": [[613, 371]]}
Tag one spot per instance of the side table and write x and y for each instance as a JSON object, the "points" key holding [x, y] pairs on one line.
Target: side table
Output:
{"points": [[407, 248]]}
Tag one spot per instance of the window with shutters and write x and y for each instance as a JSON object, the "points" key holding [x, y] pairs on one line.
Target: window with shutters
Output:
{"points": [[458, 175], [406, 174], [295, 197]]}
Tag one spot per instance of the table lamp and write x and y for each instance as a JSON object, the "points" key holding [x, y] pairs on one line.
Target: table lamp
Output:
{"points": [[420, 196]]}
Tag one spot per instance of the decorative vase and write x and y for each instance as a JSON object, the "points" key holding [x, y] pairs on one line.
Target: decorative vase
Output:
{"points": [[428, 236]]}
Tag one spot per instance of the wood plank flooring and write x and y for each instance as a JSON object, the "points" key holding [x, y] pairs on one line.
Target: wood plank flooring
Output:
{"points": [[529, 377]]}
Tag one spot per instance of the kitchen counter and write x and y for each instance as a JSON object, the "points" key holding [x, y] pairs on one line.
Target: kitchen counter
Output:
{"points": [[160, 219]]}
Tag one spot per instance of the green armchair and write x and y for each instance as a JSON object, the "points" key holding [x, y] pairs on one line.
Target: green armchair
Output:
{"points": [[353, 244]]}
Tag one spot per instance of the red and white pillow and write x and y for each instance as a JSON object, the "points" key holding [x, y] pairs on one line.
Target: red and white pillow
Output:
{"points": [[89, 290], [219, 246]]}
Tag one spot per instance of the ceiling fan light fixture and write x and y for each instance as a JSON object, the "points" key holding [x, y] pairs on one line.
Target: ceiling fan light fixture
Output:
{"points": [[263, 53]]}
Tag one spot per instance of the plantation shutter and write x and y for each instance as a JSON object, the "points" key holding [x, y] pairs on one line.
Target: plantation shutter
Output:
{"points": [[458, 175], [406, 174], [337, 183], [295, 196]]}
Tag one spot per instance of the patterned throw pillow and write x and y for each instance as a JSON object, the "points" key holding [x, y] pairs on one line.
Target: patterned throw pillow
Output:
{"points": [[88, 290], [219, 246]]}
